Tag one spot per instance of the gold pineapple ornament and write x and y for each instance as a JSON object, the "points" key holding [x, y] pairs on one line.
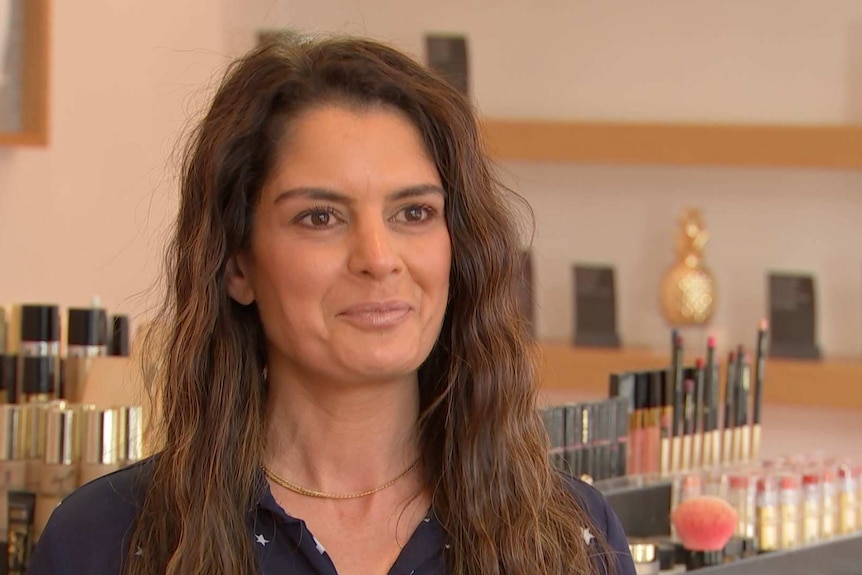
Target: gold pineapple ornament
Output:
{"points": [[688, 288]]}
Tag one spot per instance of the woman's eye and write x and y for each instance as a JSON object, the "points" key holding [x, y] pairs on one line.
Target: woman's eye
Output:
{"points": [[414, 214], [318, 218]]}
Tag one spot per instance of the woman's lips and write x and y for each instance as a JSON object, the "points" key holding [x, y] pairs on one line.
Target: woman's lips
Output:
{"points": [[376, 314]]}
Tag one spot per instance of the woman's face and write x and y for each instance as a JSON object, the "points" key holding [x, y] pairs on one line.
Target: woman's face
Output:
{"points": [[350, 251]]}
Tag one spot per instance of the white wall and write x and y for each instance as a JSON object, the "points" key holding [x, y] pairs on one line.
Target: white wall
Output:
{"points": [[682, 60], [87, 214]]}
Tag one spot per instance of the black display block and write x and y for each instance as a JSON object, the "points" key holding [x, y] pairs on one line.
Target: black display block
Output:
{"points": [[447, 55], [641, 505], [595, 306], [792, 316]]}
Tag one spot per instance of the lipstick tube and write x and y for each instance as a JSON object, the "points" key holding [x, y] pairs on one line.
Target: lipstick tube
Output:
{"points": [[130, 423], [812, 509], [33, 420], [59, 474], [847, 519], [768, 522], [789, 510], [742, 495], [100, 452], [829, 509], [85, 341], [13, 468]]}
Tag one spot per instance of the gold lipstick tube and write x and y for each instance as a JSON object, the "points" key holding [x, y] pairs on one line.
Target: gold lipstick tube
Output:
{"points": [[100, 453], [130, 437], [59, 474]]}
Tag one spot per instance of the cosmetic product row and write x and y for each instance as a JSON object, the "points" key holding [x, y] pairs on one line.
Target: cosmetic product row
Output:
{"points": [[34, 368], [47, 450], [676, 420], [588, 440], [785, 503]]}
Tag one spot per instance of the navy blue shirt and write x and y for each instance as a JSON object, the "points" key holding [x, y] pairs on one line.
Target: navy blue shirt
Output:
{"points": [[89, 534]]}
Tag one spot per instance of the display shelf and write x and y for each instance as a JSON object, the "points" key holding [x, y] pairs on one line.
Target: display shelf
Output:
{"points": [[839, 556], [679, 144], [826, 383], [35, 78]]}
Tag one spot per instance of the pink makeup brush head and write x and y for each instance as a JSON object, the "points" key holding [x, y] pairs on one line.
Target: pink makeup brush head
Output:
{"points": [[704, 523]]}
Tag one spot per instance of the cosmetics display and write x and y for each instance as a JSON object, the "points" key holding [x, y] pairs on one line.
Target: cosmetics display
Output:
{"points": [[50, 441], [674, 413], [588, 440], [698, 429]]}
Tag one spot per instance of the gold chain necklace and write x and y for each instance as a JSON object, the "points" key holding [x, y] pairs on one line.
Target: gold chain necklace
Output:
{"points": [[323, 495]]}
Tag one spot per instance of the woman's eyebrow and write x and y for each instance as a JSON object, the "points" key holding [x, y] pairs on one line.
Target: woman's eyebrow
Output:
{"points": [[329, 195]]}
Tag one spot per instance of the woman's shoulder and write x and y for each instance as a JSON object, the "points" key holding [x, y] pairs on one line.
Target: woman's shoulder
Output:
{"points": [[89, 531], [604, 519]]}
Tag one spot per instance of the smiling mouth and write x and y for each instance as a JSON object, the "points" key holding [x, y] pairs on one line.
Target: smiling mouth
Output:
{"points": [[377, 315]]}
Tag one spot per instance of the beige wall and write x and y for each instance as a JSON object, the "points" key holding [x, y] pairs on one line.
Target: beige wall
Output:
{"points": [[88, 214], [768, 61]]}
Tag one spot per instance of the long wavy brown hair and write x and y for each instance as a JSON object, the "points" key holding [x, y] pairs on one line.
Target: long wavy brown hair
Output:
{"points": [[483, 446]]}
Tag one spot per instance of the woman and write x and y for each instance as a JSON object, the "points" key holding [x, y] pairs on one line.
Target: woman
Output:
{"points": [[347, 385]]}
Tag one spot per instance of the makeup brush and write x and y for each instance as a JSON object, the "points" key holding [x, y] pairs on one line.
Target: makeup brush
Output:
{"points": [[704, 524]]}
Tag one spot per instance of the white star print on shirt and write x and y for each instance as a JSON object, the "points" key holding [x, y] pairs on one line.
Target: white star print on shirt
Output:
{"points": [[318, 545], [261, 539], [588, 537]]}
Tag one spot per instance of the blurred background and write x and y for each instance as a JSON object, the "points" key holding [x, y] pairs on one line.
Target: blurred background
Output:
{"points": [[88, 214]]}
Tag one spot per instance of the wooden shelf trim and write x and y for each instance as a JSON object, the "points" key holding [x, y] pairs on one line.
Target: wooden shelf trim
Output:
{"points": [[828, 383], [814, 146]]}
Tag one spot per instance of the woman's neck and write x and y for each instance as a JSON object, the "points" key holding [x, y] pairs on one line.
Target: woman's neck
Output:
{"points": [[341, 438]]}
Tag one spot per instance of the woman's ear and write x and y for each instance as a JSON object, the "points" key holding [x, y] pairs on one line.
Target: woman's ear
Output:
{"points": [[238, 282]]}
